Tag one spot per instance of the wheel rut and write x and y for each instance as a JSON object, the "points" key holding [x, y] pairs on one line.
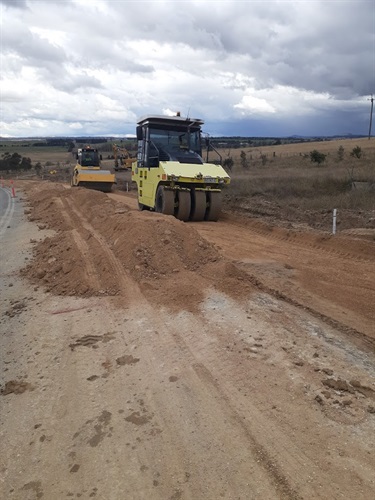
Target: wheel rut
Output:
{"points": [[127, 287]]}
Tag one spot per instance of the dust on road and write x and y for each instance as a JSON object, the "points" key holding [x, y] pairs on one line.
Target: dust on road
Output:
{"points": [[171, 360]]}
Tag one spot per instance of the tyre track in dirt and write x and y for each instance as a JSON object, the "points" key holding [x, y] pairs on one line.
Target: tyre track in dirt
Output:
{"points": [[353, 334], [93, 277], [198, 379], [263, 457], [127, 287], [304, 288], [306, 238], [235, 420], [300, 251], [281, 455], [280, 482]]}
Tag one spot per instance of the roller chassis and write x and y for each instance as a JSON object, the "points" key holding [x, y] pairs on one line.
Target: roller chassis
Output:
{"points": [[89, 174], [171, 176], [196, 198]]}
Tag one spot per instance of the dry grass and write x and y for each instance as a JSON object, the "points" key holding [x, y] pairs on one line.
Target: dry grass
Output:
{"points": [[281, 182], [293, 188], [52, 155], [290, 150]]}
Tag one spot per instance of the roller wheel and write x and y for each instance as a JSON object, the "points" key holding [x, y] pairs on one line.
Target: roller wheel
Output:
{"points": [[164, 201], [143, 207], [184, 205], [198, 205], [214, 206]]}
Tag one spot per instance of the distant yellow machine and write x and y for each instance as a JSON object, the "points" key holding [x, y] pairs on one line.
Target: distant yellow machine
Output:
{"points": [[123, 159], [87, 172]]}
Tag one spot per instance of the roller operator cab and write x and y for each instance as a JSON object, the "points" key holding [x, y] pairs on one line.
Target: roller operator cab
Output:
{"points": [[88, 173], [172, 177]]}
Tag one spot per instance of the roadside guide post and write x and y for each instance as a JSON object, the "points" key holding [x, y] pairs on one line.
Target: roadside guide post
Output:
{"points": [[13, 190]]}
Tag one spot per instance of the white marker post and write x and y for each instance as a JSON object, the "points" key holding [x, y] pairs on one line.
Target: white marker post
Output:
{"points": [[334, 221]]}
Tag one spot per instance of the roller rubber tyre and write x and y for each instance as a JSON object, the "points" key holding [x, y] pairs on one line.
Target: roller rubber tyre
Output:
{"points": [[214, 206], [184, 205], [198, 205], [164, 202], [142, 207]]}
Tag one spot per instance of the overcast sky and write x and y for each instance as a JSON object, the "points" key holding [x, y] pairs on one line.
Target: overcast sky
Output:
{"points": [[250, 68]]}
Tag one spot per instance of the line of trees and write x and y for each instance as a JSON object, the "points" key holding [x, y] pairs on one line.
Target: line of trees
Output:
{"points": [[14, 161]]}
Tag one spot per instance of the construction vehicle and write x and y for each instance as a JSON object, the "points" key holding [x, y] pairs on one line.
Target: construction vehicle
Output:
{"points": [[172, 177], [88, 173], [122, 157]]}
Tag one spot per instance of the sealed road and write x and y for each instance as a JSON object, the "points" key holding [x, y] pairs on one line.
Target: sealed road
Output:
{"points": [[7, 204]]}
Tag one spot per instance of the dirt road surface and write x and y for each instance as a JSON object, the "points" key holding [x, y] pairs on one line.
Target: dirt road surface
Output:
{"points": [[147, 358]]}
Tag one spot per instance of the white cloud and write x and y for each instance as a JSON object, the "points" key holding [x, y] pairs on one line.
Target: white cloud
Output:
{"points": [[223, 61], [254, 105]]}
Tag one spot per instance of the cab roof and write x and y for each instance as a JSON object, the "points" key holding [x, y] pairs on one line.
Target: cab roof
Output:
{"points": [[168, 121]]}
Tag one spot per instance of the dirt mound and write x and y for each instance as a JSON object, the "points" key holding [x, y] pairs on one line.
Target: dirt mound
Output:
{"points": [[98, 238]]}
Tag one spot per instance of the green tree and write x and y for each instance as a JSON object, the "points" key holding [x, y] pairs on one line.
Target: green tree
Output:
{"points": [[317, 157], [244, 161], [10, 161], [356, 152], [25, 164]]}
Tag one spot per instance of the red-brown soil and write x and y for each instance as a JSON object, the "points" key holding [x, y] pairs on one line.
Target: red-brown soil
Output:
{"points": [[173, 360]]}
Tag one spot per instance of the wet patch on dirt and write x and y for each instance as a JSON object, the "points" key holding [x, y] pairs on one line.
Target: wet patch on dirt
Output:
{"points": [[16, 307], [36, 487], [127, 360], [91, 340], [94, 431], [16, 387], [137, 418]]}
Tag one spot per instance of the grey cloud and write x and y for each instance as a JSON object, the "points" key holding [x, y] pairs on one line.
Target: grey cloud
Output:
{"points": [[29, 46], [211, 53], [18, 4], [105, 53], [133, 67], [72, 83]]}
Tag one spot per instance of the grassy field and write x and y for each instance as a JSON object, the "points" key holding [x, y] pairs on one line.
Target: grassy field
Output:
{"points": [[53, 154], [288, 150], [279, 183]]}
